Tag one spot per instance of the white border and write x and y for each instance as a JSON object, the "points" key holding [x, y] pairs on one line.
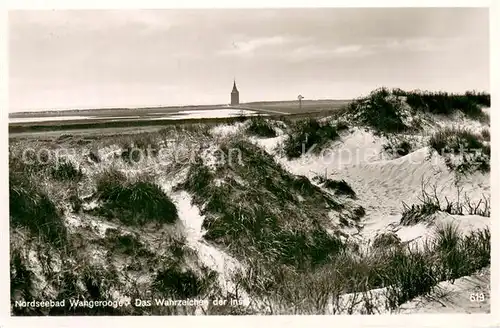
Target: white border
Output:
{"points": [[415, 320]]}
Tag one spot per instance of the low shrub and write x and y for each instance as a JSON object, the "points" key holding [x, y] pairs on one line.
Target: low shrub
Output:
{"points": [[182, 284], [386, 240], [66, 171], [400, 148], [125, 243], [261, 127], [340, 187], [485, 134], [310, 135]]}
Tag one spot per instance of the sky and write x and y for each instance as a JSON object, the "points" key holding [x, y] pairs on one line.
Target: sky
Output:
{"points": [[63, 59]]}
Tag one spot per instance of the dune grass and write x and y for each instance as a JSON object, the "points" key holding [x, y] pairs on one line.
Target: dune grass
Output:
{"points": [[66, 171], [398, 147], [379, 110], [261, 127], [183, 284], [385, 109], [340, 187], [403, 272], [308, 136], [133, 203], [485, 134], [445, 103], [31, 208], [278, 224], [126, 244], [474, 153], [453, 140], [386, 240]]}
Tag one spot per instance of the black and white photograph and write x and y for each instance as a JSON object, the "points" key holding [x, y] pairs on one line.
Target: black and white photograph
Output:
{"points": [[249, 161]]}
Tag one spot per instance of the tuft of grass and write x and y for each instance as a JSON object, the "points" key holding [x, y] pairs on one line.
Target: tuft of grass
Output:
{"points": [[32, 208], [460, 255], [309, 135], [261, 127], [359, 212], [182, 284], [401, 148], [66, 171], [475, 155], [94, 156], [125, 244], [409, 275], [418, 213], [21, 278], [452, 140], [485, 134], [342, 125], [386, 240], [340, 187], [135, 203]]}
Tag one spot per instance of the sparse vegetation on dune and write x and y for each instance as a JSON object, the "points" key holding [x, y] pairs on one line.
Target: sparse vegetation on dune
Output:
{"points": [[386, 240], [398, 147], [430, 204], [394, 110], [447, 103], [485, 134], [474, 153], [339, 187], [183, 284], [403, 272]]}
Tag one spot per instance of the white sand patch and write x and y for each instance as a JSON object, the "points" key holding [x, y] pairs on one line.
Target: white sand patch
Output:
{"points": [[268, 144], [99, 227], [224, 130], [209, 255], [358, 147], [464, 223], [109, 153]]}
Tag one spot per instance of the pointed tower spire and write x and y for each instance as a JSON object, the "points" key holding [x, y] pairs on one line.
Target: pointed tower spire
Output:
{"points": [[235, 95], [234, 85]]}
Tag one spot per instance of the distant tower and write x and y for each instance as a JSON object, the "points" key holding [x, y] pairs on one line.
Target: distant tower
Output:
{"points": [[235, 95]]}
